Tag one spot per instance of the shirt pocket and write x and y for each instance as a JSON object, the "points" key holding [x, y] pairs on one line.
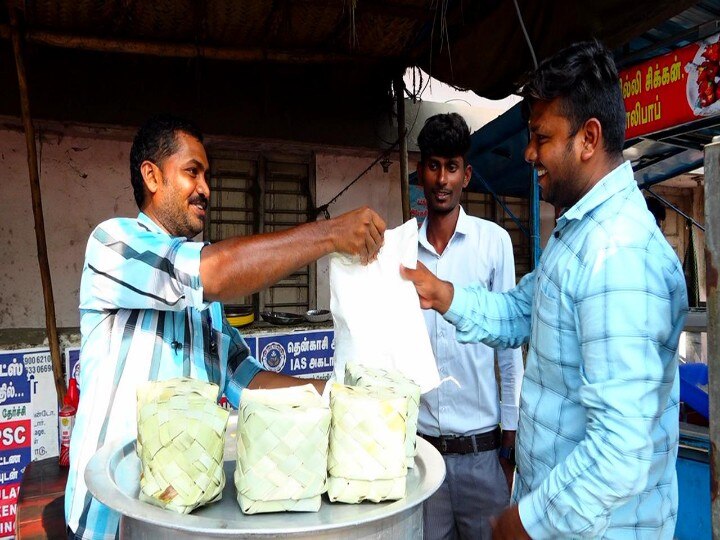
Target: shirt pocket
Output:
{"points": [[547, 301], [547, 316]]}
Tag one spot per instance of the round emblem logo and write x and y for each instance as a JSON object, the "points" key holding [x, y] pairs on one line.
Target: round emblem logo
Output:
{"points": [[273, 357]]}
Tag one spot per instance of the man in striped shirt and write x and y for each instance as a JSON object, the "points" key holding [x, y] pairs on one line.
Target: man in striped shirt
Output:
{"points": [[598, 432], [150, 299]]}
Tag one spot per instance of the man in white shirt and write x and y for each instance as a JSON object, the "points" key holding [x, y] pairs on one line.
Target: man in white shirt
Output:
{"points": [[461, 417]]}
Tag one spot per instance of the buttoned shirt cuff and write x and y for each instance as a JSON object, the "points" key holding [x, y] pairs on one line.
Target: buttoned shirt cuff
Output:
{"points": [[187, 262], [509, 417], [534, 521], [457, 307], [245, 372]]}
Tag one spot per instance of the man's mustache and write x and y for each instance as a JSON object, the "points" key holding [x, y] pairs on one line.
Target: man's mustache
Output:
{"points": [[201, 200]]}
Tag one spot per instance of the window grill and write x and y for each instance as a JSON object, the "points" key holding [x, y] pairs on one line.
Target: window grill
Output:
{"points": [[252, 194], [484, 206]]}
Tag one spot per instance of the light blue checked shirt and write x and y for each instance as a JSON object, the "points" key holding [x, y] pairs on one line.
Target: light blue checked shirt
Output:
{"points": [[140, 292], [603, 311]]}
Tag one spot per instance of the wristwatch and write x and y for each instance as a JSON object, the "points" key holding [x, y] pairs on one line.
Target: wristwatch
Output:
{"points": [[508, 452]]}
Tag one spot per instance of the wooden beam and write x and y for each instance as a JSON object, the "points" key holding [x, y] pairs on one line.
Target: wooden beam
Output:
{"points": [[399, 86], [416, 11], [50, 322], [186, 50]]}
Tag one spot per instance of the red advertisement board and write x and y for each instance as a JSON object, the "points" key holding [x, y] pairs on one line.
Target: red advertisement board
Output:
{"points": [[8, 509], [672, 89]]}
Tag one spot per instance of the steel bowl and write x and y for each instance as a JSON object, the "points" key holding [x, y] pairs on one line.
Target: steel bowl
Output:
{"points": [[318, 315], [282, 318]]}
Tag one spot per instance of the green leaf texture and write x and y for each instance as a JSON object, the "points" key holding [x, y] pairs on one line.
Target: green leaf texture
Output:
{"points": [[282, 449], [181, 434]]}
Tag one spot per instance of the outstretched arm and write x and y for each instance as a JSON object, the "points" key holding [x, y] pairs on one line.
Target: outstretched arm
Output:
{"points": [[239, 266], [495, 319]]}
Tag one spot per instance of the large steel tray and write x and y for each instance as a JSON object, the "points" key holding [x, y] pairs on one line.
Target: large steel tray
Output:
{"points": [[113, 476]]}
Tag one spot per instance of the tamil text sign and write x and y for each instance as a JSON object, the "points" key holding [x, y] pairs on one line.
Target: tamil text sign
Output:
{"points": [[672, 89]]}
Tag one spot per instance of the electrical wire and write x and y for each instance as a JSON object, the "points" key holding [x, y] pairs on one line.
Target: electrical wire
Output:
{"points": [[525, 32], [416, 96], [323, 209]]}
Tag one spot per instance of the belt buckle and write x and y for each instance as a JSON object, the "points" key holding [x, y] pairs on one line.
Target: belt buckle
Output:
{"points": [[443, 445], [444, 439]]}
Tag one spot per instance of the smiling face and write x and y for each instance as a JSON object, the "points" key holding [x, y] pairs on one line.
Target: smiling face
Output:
{"points": [[179, 191], [443, 180], [555, 153]]}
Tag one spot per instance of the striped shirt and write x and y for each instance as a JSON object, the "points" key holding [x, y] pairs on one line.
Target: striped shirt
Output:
{"points": [[598, 432], [142, 317]]}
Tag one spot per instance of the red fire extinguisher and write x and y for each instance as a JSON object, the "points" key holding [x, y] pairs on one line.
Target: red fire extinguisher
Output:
{"points": [[67, 421]]}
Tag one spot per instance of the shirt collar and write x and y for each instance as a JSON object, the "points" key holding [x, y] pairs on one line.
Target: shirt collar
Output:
{"points": [[461, 227], [613, 182], [149, 223], [463, 223]]}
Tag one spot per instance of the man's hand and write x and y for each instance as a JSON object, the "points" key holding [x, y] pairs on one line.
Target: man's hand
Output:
{"points": [[433, 292], [265, 380], [508, 470], [507, 526], [359, 232], [508, 441]]}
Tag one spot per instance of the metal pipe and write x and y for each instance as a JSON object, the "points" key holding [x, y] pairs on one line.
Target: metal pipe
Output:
{"points": [[261, 225], [712, 265], [399, 86], [504, 206], [45, 278], [675, 208]]}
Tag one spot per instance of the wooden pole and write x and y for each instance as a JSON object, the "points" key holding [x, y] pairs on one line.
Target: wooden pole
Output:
{"points": [[712, 268], [399, 86], [183, 50], [50, 323]]}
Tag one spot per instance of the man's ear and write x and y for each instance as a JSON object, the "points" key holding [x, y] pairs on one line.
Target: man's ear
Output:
{"points": [[468, 175], [151, 175], [591, 138]]}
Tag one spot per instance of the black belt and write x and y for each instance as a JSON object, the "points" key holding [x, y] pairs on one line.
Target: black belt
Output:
{"points": [[482, 442]]}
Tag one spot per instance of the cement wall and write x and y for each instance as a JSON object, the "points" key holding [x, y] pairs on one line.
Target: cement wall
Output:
{"points": [[83, 182], [378, 190]]}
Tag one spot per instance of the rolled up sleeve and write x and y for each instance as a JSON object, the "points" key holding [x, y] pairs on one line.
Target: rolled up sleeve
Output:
{"points": [[241, 366]]}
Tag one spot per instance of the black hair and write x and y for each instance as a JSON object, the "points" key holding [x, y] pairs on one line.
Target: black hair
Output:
{"points": [[584, 76], [155, 141], [657, 209], [444, 135]]}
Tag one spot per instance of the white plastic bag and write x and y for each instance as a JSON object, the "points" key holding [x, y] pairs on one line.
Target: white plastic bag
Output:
{"points": [[377, 315]]}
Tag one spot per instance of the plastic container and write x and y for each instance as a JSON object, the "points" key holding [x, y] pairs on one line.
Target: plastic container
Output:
{"points": [[692, 376], [66, 419], [240, 318], [73, 393]]}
